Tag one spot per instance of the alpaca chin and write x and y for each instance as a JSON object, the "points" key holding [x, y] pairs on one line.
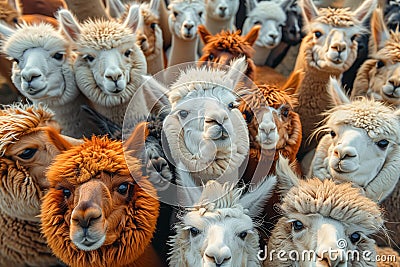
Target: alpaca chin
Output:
{"points": [[94, 246]]}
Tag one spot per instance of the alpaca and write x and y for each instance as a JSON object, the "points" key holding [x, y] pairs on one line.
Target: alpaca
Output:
{"points": [[328, 49], [109, 67], [271, 16], [392, 17], [29, 140], [204, 130], [84, 10], [220, 49], [43, 73], [361, 145], [221, 15], [325, 219], [185, 17], [100, 210], [378, 77], [220, 228]]}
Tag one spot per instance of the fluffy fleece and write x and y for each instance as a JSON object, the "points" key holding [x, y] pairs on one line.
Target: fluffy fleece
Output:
{"points": [[130, 223]]}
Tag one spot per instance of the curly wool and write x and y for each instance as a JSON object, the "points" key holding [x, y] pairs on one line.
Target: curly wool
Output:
{"points": [[338, 17]]}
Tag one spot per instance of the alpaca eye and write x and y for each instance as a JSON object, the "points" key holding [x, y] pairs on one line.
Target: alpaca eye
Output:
{"points": [[58, 56], [153, 25], [297, 225], [382, 143], [194, 231], [183, 113], [355, 237], [66, 193], [88, 58], [123, 188], [257, 22], [285, 112], [317, 34], [353, 37], [175, 14], [200, 14], [380, 64], [27, 153], [211, 57], [333, 134], [15, 20], [243, 235], [231, 105], [127, 53], [15, 60]]}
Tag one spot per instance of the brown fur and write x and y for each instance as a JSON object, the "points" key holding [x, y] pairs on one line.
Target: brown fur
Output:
{"points": [[148, 34], [93, 172]]}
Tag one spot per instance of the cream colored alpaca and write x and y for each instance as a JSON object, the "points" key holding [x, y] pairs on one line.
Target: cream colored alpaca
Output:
{"points": [[43, 73], [328, 49], [361, 145], [221, 15], [184, 18], [271, 16], [205, 130], [219, 229], [322, 216], [379, 77], [110, 66]]}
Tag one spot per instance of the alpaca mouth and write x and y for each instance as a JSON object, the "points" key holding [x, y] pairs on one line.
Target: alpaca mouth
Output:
{"points": [[88, 245], [34, 91]]}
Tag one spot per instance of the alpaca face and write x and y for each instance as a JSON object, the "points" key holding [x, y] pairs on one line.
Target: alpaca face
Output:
{"points": [[222, 9], [148, 32], [391, 89], [291, 31], [356, 157], [185, 17], [8, 14], [392, 14], [267, 135]]}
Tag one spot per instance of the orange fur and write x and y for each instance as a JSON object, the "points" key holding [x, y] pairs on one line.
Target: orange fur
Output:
{"points": [[98, 167]]}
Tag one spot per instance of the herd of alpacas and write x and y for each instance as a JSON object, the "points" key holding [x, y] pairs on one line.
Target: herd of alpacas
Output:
{"points": [[200, 133]]}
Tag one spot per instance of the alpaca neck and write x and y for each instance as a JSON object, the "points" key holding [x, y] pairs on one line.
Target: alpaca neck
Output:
{"points": [[261, 54], [182, 51], [215, 26], [155, 63]]}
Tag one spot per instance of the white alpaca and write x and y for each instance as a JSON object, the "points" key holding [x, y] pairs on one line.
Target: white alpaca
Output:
{"points": [[43, 73], [362, 145], [221, 15], [219, 230], [323, 223], [271, 16], [205, 130], [110, 66], [184, 18]]}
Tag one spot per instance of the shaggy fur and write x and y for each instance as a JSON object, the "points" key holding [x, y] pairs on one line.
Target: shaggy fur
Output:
{"points": [[311, 200], [317, 58], [23, 182], [130, 217], [87, 9], [41, 43]]}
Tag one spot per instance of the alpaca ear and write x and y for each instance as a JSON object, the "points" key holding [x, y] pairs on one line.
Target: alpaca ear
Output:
{"points": [[285, 175], [155, 6], [254, 200], [236, 71], [61, 142], [285, 4], [136, 141], [364, 11], [14, 4], [5, 31], [250, 5], [309, 10], [132, 19], [69, 24], [205, 35], [188, 192], [252, 35], [115, 8], [338, 96], [380, 33], [294, 82]]}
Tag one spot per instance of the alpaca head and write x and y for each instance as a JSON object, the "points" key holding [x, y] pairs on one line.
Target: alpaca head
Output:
{"points": [[330, 44], [222, 10], [42, 68], [109, 64], [149, 34], [8, 12], [291, 31], [392, 14], [364, 137], [185, 17], [29, 141], [222, 48], [219, 230], [329, 221], [204, 124], [271, 16], [98, 206]]}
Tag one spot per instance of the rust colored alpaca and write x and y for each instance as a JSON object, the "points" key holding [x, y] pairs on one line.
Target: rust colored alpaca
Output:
{"points": [[100, 210], [225, 46]]}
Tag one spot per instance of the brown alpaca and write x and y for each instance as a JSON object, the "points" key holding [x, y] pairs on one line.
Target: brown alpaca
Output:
{"points": [[29, 140], [225, 46], [100, 210]]}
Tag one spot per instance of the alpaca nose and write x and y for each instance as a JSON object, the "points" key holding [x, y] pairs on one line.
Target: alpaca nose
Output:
{"points": [[113, 74], [31, 74], [223, 8], [345, 152], [85, 214], [216, 117], [218, 255], [273, 36], [339, 46], [188, 26], [395, 81], [335, 258]]}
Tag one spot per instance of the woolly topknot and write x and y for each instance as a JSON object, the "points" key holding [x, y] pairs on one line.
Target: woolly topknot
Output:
{"points": [[273, 9], [104, 34], [338, 17], [341, 202], [20, 119], [391, 50], [231, 42]]}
